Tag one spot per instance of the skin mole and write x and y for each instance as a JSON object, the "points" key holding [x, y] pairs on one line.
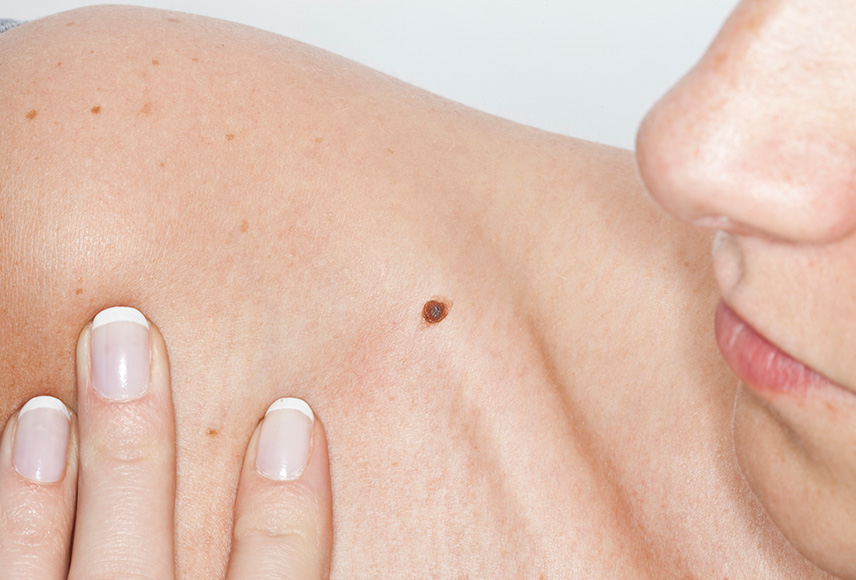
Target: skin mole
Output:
{"points": [[434, 311]]}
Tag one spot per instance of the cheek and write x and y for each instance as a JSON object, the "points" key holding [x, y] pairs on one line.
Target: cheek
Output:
{"points": [[795, 457]]}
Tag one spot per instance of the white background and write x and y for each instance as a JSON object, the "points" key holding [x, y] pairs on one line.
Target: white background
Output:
{"points": [[586, 68]]}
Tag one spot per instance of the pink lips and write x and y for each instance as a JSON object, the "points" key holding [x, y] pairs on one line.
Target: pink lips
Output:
{"points": [[759, 363]]}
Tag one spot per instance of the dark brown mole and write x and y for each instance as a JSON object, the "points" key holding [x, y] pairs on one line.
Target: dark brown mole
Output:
{"points": [[434, 311], [32, 114], [96, 109]]}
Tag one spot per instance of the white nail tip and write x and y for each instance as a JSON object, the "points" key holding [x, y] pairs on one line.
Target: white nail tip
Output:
{"points": [[119, 314], [45, 402], [293, 404]]}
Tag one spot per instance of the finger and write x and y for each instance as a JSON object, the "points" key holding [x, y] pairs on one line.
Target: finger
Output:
{"points": [[126, 488], [38, 481], [283, 511]]}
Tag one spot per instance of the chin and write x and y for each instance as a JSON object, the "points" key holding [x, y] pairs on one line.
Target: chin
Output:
{"points": [[802, 476]]}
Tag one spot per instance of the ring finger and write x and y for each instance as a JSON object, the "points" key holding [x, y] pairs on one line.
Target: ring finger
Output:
{"points": [[38, 481]]}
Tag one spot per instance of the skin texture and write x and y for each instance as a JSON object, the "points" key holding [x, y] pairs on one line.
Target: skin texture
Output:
{"points": [[758, 140], [283, 216]]}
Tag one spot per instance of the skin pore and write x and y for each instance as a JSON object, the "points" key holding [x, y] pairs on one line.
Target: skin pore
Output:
{"points": [[758, 141], [283, 216]]}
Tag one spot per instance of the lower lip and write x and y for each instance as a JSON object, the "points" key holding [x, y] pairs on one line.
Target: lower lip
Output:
{"points": [[760, 364]]}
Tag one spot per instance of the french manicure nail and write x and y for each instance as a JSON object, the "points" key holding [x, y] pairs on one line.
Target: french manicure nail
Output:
{"points": [[284, 440], [41, 440], [120, 353]]}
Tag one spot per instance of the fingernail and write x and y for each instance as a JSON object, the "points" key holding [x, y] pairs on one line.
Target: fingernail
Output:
{"points": [[284, 440], [41, 440], [120, 353]]}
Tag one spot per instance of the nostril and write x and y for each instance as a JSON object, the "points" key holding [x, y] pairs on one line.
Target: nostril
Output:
{"points": [[725, 224], [714, 222], [767, 184]]}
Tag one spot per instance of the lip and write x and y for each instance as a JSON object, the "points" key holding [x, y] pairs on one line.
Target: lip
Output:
{"points": [[760, 364]]}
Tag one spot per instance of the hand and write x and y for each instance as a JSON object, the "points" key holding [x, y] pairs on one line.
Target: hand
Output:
{"points": [[116, 460]]}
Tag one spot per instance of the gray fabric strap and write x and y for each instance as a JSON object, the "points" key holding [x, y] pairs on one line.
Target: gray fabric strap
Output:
{"points": [[6, 24]]}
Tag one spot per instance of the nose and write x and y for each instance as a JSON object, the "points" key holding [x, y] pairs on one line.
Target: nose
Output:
{"points": [[758, 138]]}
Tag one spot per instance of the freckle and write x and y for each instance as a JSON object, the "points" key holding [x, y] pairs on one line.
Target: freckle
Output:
{"points": [[173, 20], [319, 140], [162, 164], [147, 109], [390, 151], [69, 23], [155, 62], [32, 114], [244, 226], [195, 59], [434, 311], [212, 432], [230, 136], [719, 61], [59, 64], [96, 109], [79, 291]]}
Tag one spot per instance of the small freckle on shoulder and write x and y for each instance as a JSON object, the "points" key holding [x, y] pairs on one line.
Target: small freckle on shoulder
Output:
{"points": [[245, 225], [96, 109], [230, 136], [32, 114], [212, 432]]}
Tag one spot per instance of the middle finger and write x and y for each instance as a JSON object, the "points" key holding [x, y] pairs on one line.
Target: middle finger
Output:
{"points": [[126, 491]]}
